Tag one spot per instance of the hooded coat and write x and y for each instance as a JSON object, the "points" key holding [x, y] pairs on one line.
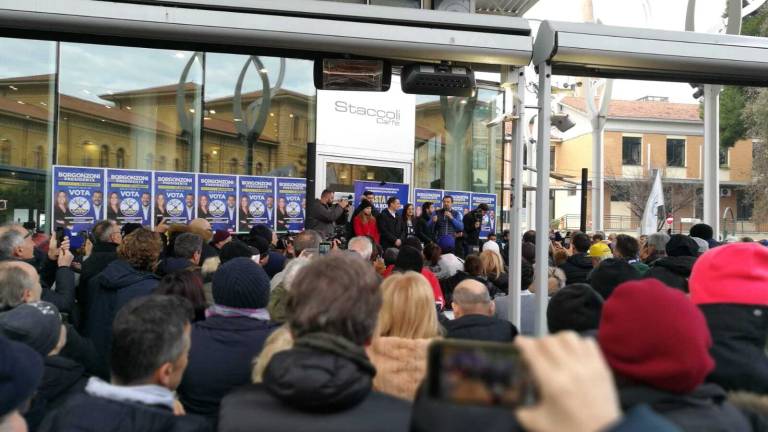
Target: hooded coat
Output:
{"points": [[118, 284], [401, 365], [672, 270], [62, 378], [481, 328], [310, 388], [576, 268]]}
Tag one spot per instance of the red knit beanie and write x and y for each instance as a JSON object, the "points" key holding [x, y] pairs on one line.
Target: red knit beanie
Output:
{"points": [[653, 334], [736, 273]]}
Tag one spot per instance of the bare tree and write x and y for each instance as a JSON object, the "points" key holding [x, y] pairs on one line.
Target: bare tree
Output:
{"points": [[635, 191]]}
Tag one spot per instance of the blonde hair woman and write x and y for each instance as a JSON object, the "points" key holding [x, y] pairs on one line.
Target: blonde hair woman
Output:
{"points": [[493, 267], [407, 323]]}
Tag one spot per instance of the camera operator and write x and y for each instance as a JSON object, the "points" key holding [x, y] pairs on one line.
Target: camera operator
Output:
{"points": [[323, 214], [472, 224]]}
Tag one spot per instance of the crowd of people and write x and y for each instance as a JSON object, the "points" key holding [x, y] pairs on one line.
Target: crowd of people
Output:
{"points": [[188, 329]]}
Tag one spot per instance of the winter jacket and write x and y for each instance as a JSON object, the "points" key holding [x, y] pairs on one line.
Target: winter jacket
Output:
{"points": [[501, 282], [220, 359], [322, 218], [448, 285], [739, 336], [401, 365], [431, 414], [424, 232], [102, 254], [62, 378], [642, 419], [118, 284], [706, 409], [172, 265], [63, 297], [445, 226], [576, 268], [369, 229], [83, 351], [471, 222], [278, 299], [673, 271], [390, 229], [481, 328], [86, 413], [312, 390]]}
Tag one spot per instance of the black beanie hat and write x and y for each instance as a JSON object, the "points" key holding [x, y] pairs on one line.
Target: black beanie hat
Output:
{"points": [[682, 245], [364, 204], [610, 274], [241, 283], [262, 231], [576, 307], [21, 369], [409, 259], [37, 325]]}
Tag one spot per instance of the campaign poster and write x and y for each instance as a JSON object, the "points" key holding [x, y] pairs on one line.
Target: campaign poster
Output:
{"points": [[421, 196], [217, 200], [461, 201], [78, 197], [381, 192], [488, 224], [257, 202], [174, 197], [291, 204], [129, 196]]}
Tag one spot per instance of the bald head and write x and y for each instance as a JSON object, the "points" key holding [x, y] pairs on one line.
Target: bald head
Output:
{"points": [[471, 297], [19, 283], [200, 224]]}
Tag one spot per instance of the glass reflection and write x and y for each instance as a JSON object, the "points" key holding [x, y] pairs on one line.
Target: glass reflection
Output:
{"points": [[122, 106], [258, 115], [27, 86]]}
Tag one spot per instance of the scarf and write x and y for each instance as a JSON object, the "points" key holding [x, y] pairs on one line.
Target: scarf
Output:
{"points": [[149, 394], [336, 345], [230, 312]]}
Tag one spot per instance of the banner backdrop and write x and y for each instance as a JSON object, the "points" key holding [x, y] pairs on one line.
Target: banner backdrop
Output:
{"points": [[78, 197], [381, 192], [291, 204], [420, 196], [488, 224], [174, 197], [257, 202], [217, 200], [461, 201], [129, 197]]}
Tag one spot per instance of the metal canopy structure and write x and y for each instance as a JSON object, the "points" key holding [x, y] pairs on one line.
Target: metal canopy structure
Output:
{"points": [[358, 30], [618, 52]]}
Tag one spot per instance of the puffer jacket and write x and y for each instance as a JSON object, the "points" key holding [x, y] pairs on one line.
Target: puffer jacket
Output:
{"points": [[62, 378], [673, 271], [401, 365], [577, 268]]}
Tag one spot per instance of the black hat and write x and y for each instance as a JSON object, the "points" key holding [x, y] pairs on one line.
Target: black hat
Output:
{"points": [[409, 259], [129, 228], [610, 274], [241, 283], [364, 204], [576, 307], [682, 245], [37, 325], [263, 231], [21, 369]]}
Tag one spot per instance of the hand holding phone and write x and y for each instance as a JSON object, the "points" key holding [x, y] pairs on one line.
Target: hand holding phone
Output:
{"points": [[325, 247]]}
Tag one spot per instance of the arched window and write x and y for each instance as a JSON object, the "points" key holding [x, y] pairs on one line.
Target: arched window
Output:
{"points": [[259, 168], [120, 156], [161, 163], [39, 157], [206, 165], [233, 166], [104, 156], [5, 151]]}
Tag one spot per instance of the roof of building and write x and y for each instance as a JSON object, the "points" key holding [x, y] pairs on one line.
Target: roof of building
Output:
{"points": [[642, 109]]}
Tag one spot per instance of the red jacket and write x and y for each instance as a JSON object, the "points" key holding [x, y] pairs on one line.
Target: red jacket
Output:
{"points": [[369, 229], [431, 278]]}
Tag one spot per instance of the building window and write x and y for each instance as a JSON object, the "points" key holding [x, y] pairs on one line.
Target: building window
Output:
{"points": [[233, 165], [104, 156], [177, 164], [724, 157], [206, 165], [675, 152], [631, 150], [120, 158], [149, 161], [39, 157], [619, 193], [552, 159], [744, 205], [5, 152]]}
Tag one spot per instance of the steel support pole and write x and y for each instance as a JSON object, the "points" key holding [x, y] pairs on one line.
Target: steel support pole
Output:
{"points": [[711, 174], [583, 197], [516, 75], [542, 198]]}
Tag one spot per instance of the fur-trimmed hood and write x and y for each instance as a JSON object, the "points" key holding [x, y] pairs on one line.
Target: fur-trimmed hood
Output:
{"points": [[401, 365]]}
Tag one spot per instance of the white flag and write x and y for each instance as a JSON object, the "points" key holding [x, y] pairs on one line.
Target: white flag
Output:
{"points": [[649, 223]]}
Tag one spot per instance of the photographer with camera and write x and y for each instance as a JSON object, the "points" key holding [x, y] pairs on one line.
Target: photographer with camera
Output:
{"points": [[472, 225], [323, 214]]}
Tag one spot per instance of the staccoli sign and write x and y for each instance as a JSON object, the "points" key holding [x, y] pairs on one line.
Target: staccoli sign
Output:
{"points": [[174, 197], [217, 202], [381, 193], [421, 196], [291, 204], [257, 202], [488, 224], [78, 197], [129, 198], [460, 201]]}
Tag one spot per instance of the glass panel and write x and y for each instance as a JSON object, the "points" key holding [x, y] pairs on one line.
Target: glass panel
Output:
{"points": [[340, 177], [413, 4], [27, 86], [122, 106], [723, 157], [631, 150], [676, 152], [249, 131]]}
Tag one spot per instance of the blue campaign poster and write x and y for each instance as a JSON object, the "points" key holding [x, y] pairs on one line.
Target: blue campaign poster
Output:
{"points": [[421, 196], [257, 202], [217, 200], [129, 196], [488, 224], [174, 197], [78, 197], [381, 192], [461, 201], [291, 204]]}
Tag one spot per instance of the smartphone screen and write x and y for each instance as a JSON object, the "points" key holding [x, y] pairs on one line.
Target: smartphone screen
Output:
{"points": [[325, 247], [479, 373]]}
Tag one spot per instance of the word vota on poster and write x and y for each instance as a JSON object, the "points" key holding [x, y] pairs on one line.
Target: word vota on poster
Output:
{"points": [[257, 202], [217, 202], [78, 197], [129, 197], [291, 204], [174, 197]]}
